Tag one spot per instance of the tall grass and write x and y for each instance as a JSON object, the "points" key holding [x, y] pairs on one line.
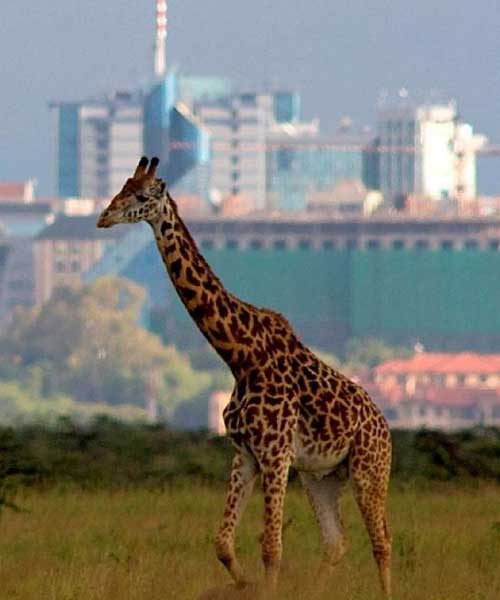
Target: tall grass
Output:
{"points": [[142, 544]]}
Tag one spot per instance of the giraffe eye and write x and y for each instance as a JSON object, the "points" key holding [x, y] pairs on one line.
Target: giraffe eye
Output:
{"points": [[142, 198]]}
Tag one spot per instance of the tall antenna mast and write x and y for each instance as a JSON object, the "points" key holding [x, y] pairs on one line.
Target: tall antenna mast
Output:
{"points": [[161, 38]]}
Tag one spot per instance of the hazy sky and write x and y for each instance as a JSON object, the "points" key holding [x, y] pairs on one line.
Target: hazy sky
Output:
{"points": [[339, 53]]}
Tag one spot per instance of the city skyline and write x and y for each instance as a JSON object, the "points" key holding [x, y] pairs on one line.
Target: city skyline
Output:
{"points": [[454, 58]]}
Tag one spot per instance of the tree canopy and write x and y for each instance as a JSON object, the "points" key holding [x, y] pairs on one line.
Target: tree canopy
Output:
{"points": [[89, 343]]}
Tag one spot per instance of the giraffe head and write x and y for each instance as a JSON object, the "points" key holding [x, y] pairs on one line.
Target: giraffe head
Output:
{"points": [[141, 198]]}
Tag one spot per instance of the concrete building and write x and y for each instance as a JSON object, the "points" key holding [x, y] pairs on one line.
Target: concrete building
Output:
{"points": [[398, 279], [425, 150], [22, 192], [97, 143], [303, 165], [348, 198], [65, 250], [20, 223], [238, 127], [440, 391], [217, 403], [426, 369]]}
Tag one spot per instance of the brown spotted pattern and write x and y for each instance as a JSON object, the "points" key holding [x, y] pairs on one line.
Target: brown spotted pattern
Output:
{"points": [[288, 409]]}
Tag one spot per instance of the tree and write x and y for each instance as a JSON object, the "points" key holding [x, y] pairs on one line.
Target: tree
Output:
{"points": [[369, 352], [89, 343]]}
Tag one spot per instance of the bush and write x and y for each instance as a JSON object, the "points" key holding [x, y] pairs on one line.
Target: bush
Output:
{"points": [[109, 453]]}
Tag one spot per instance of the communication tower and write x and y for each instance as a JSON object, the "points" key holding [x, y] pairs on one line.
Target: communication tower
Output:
{"points": [[160, 58]]}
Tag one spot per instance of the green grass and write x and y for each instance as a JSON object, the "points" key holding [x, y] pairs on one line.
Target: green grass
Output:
{"points": [[139, 544]]}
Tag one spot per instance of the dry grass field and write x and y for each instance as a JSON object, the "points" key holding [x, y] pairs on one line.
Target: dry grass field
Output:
{"points": [[139, 544]]}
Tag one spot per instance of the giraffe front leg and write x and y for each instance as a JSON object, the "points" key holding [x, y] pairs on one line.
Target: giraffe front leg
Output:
{"points": [[243, 476], [274, 482]]}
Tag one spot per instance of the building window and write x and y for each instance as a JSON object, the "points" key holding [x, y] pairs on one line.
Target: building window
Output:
{"points": [[232, 244], [235, 175], [471, 245], [447, 245], [494, 244], [235, 126], [328, 245], [235, 143], [235, 159], [60, 266], [305, 244], [75, 266], [421, 244], [256, 245], [18, 285], [61, 247], [351, 244], [279, 245], [373, 244], [398, 245], [207, 244], [235, 190]]}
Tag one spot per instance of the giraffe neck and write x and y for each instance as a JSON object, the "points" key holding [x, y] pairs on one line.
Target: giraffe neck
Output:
{"points": [[229, 324]]}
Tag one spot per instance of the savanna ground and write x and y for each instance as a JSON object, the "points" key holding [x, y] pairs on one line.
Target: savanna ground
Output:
{"points": [[138, 544]]}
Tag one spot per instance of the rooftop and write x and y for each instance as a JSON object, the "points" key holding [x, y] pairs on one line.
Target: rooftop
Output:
{"points": [[79, 228], [31, 208], [16, 191], [443, 364]]}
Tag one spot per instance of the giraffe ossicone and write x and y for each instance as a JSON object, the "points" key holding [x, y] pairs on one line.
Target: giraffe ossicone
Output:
{"points": [[287, 409]]}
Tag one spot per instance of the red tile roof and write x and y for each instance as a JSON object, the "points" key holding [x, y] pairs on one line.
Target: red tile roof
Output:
{"points": [[10, 190], [429, 362]]}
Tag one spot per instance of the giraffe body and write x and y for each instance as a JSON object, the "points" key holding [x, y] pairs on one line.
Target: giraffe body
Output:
{"points": [[287, 409]]}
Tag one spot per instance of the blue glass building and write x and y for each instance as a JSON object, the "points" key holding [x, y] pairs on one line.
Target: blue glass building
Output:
{"points": [[299, 168], [174, 134], [286, 107], [68, 144], [158, 107]]}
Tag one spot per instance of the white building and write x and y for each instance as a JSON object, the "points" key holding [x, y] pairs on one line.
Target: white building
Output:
{"points": [[97, 143], [238, 125], [426, 150]]}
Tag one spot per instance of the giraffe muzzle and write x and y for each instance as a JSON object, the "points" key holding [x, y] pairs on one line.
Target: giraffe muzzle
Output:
{"points": [[104, 221]]}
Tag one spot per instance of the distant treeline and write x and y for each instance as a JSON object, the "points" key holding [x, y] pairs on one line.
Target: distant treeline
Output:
{"points": [[110, 454]]}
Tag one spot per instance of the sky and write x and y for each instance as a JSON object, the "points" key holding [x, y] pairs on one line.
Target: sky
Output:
{"points": [[340, 54]]}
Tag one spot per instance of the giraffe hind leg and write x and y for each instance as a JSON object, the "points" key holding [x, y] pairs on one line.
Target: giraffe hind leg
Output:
{"points": [[370, 478], [324, 496]]}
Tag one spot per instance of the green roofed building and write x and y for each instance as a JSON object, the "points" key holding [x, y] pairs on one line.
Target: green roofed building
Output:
{"points": [[405, 281]]}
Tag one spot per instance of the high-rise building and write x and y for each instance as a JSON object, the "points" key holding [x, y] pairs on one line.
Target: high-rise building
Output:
{"points": [[21, 222], [425, 150], [96, 144], [238, 125], [213, 144], [302, 164], [176, 135]]}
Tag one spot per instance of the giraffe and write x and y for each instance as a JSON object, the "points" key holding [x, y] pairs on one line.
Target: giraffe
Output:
{"points": [[287, 409]]}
